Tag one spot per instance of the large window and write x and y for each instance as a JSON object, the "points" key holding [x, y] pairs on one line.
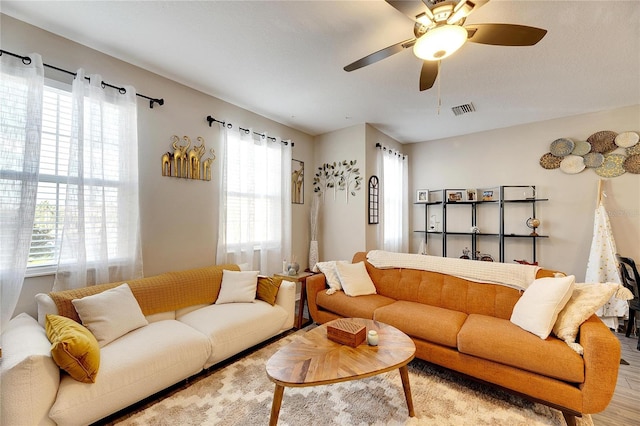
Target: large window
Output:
{"points": [[394, 201], [54, 168], [54, 176], [255, 201]]}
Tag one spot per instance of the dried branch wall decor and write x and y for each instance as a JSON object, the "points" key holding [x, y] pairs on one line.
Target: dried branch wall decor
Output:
{"points": [[187, 163], [342, 176]]}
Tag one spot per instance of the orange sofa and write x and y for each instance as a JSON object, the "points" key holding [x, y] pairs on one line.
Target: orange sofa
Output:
{"points": [[464, 326]]}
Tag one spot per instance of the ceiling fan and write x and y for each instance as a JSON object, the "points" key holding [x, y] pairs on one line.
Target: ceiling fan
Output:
{"points": [[439, 32]]}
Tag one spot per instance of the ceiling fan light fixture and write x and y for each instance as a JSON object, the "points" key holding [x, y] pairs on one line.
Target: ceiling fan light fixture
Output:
{"points": [[461, 11], [440, 42]]}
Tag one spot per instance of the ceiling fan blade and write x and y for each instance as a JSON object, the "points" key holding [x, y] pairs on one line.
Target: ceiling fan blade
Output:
{"points": [[380, 55], [428, 74], [505, 34], [409, 8]]}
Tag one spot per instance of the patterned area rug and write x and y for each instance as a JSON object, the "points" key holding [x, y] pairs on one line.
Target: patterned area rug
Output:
{"points": [[241, 394]]}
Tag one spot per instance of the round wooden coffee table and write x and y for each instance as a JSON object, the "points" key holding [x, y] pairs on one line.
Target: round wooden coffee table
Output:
{"points": [[312, 359]]}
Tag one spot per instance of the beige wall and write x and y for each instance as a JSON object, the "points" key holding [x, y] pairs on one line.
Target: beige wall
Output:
{"points": [[341, 224], [510, 157], [179, 217]]}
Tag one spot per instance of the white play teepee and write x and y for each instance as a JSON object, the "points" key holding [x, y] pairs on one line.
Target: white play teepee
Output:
{"points": [[602, 265]]}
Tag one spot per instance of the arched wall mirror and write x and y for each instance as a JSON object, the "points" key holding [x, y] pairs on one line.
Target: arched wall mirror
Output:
{"points": [[374, 201]]}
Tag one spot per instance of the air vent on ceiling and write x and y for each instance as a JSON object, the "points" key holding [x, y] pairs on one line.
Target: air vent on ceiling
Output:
{"points": [[463, 109]]}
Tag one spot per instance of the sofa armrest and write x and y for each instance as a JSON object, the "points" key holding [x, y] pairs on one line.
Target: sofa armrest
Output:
{"points": [[29, 378], [287, 299], [601, 363], [315, 284]]}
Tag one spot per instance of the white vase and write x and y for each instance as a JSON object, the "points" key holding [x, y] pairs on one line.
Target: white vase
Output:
{"points": [[313, 254]]}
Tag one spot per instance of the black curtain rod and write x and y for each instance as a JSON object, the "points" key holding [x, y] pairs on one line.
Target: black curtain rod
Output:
{"points": [[212, 120], [384, 148], [27, 60]]}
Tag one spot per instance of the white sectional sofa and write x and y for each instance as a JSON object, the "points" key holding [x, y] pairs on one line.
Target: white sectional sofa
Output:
{"points": [[174, 345]]}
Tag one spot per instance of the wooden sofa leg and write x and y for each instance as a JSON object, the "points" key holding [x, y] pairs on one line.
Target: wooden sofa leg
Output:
{"points": [[569, 418]]}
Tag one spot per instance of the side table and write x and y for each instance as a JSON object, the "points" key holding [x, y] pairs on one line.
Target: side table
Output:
{"points": [[300, 277]]}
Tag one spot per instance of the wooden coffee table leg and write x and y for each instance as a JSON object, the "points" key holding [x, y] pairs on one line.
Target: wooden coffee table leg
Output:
{"points": [[277, 401], [404, 373]]}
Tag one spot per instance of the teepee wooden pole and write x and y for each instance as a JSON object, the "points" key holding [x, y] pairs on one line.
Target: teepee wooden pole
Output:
{"points": [[599, 198]]}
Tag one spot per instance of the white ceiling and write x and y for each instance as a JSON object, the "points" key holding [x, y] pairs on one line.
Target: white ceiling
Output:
{"points": [[284, 59]]}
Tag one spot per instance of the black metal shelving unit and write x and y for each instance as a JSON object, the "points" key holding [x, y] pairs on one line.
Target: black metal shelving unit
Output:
{"points": [[444, 204]]}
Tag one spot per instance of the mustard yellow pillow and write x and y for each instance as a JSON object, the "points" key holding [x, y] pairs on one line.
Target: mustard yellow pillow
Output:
{"points": [[268, 289], [73, 348]]}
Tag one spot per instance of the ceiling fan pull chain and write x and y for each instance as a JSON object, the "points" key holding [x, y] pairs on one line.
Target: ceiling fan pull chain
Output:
{"points": [[439, 79]]}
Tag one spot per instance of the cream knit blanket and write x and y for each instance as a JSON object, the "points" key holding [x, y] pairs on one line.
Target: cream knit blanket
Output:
{"points": [[511, 275]]}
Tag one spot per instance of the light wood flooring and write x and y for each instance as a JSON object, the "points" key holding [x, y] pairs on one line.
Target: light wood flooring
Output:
{"points": [[624, 408]]}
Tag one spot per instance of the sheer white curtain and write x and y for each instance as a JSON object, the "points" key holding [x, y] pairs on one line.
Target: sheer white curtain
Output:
{"points": [[21, 91], [255, 201], [393, 186], [101, 234]]}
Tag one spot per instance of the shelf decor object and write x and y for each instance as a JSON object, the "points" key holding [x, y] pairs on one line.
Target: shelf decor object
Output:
{"points": [[533, 223], [422, 196]]}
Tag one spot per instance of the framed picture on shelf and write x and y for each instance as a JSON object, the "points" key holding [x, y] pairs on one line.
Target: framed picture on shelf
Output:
{"points": [[454, 196], [422, 196], [472, 195], [487, 195]]}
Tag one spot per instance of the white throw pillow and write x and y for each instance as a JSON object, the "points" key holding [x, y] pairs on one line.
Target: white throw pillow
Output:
{"points": [[538, 308], [331, 273], [355, 279], [110, 314], [238, 287]]}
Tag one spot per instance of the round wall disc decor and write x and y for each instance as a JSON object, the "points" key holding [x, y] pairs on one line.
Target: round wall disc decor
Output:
{"points": [[593, 159], [633, 149], [632, 163], [561, 147], [572, 164], [627, 139], [612, 166], [603, 141], [581, 148], [549, 161]]}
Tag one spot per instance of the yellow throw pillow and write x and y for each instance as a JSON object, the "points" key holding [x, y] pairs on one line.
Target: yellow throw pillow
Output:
{"points": [[268, 289], [73, 348]]}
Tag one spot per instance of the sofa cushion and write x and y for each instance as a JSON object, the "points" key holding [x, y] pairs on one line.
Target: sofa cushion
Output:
{"points": [[268, 288], [501, 341], [585, 300], [110, 314], [346, 306], [46, 306], [330, 273], [238, 287], [74, 348], [354, 279], [538, 308], [234, 327], [425, 322], [29, 378], [133, 367]]}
